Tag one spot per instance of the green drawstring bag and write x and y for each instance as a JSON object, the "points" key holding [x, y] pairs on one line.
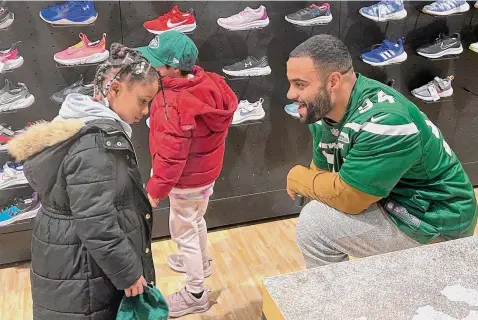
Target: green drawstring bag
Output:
{"points": [[150, 305]]}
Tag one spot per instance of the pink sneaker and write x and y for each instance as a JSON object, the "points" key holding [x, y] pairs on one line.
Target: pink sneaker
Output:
{"points": [[9, 59], [83, 52], [182, 303], [246, 19]]}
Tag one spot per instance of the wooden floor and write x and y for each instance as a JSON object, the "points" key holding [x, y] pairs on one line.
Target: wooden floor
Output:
{"points": [[242, 258]]}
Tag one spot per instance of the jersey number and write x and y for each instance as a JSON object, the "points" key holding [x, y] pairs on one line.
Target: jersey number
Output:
{"points": [[381, 97]]}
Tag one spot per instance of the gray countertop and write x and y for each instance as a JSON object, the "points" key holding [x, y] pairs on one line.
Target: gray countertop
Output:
{"points": [[437, 281]]}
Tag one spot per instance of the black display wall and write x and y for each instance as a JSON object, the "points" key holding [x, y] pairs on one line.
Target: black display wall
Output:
{"points": [[258, 155]]}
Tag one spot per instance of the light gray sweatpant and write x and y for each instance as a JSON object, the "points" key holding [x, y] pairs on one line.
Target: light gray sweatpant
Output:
{"points": [[325, 235]]}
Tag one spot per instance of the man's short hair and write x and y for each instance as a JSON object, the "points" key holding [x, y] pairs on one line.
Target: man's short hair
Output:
{"points": [[326, 51]]}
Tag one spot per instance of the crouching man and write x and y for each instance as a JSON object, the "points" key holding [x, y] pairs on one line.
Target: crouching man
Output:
{"points": [[382, 176]]}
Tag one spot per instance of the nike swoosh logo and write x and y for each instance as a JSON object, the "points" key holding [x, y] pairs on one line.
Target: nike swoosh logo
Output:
{"points": [[373, 119], [447, 46], [172, 25]]}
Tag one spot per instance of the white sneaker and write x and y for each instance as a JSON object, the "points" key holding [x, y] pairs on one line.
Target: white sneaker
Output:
{"points": [[12, 175], [474, 46], [247, 111], [246, 19]]}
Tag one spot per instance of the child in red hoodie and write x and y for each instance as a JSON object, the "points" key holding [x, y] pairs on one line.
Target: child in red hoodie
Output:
{"points": [[190, 118]]}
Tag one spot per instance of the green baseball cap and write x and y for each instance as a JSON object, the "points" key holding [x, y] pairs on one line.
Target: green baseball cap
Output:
{"points": [[171, 48]]}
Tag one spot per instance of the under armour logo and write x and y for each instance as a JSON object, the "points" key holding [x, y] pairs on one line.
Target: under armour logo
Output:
{"points": [[248, 64], [86, 7]]}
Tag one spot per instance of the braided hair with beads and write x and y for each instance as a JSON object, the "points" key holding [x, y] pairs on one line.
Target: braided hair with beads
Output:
{"points": [[130, 65]]}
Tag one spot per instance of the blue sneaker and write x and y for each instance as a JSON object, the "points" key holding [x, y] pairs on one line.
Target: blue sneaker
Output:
{"points": [[387, 53], [446, 7], [19, 209], [385, 10], [291, 109], [70, 12]]}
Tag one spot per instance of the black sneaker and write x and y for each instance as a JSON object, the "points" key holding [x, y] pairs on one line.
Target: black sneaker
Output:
{"points": [[442, 46], [311, 15], [77, 87], [248, 67]]}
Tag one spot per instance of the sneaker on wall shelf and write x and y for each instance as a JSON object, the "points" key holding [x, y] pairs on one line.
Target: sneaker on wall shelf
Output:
{"points": [[434, 90], [84, 52], [311, 16], [18, 209], [10, 59], [14, 97], [70, 13], [292, 110], [474, 47], [387, 53], [446, 7], [11, 174], [6, 18], [248, 111], [385, 10], [7, 134], [77, 87], [247, 19], [175, 19], [442, 46], [249, 67]]}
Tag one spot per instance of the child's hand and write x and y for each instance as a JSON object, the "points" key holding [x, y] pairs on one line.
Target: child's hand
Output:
{"points": [[154, 202]]}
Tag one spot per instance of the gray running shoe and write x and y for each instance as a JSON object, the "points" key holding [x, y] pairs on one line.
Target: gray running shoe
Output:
{"points": [[6, 17], [443, 46], [248, 67], [77, 87], [311, 15], [435, 89], [15, 97]]}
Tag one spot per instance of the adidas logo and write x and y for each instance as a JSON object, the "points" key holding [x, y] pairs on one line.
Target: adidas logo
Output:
{"points": [[175, 60]]}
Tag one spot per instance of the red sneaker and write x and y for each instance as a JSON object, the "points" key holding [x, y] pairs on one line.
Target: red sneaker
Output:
{"points": [[173, 20]]}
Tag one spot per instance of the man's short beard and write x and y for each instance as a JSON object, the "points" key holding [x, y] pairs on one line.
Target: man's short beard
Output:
{"points": [[318, 108]]}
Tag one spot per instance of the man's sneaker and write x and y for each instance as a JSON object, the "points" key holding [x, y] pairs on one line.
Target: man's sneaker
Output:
{"points": [[249, 67], [292, 109], [435, 89], [9, 59], [83, 52], [77, 87], [442, 46], [474, 47], [173, 20], [12, 175], [182, 303], [385, 10], [6, 18], [70, 13], [176, 262], [247, 111], [446, 7], [386, 53], [15, 97], [311, 15], [246, 19], [19, 209]]}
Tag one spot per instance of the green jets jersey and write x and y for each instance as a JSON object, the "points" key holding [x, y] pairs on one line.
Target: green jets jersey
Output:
{"points": [[386, 147]]}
